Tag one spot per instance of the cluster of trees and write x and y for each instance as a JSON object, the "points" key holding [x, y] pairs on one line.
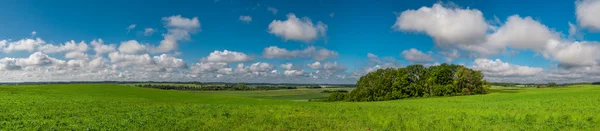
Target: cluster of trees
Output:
{"points": [[596, 83], [415, 81], [229, 87]]}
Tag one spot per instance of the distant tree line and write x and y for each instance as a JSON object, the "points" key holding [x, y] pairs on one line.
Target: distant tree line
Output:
{"points": [[226, 87], [332, 91], [415, 81]]}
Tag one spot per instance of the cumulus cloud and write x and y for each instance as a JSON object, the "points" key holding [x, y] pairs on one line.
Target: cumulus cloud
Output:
{"points": [[76, 55], [167, 61], [178, 28], [466, 29], [101, 48], [521, 33], [258, 68], [450, 55], [497, 68], [293, 72], [416, 56], [328, 67], [274, 52], [126, 60], [227, 56], [246, 19], [209, 67], [37, 59], [316, 65], [297, 29], [69, 46], [446, 25], [132, 47], [333, 67], [22, 45], [286, 66], [571, 54], [587, 14], [526, 33]]}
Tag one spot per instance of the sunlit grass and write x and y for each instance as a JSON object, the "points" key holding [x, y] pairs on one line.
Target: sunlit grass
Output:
{"points": [[118, 107]]}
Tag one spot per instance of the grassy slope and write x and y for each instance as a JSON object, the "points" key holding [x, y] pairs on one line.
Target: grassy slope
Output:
{"points": [[65, 107]]}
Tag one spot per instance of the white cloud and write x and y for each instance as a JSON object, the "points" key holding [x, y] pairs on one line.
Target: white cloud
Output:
{"points": [[261, 67], [69, 46], [521, 33], [293, 72], [76, 55], [526, 33], [132, 26], [450, 55], [148, 31], [132, 47], [497, 68], [37, 59], [127, 60], [373, 58], [286, 66], [272, 10], [297, 29], [316, 65], [416, 56], [446, 25], [100, 48], [167, 61], [274, 52], [570, 54], [33, 33], [179, 22], [178, 28], [22, 45], [328, 67], [587, 14], [227, 56], [333, 67], [246, 19], [209, 67]]}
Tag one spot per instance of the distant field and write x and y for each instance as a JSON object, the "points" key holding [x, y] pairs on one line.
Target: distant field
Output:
{"points": [[300, 94], [119, 107]]}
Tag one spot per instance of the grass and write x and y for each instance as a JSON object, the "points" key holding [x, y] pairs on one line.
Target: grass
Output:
{"points": [[300, 94], [117, 107]]}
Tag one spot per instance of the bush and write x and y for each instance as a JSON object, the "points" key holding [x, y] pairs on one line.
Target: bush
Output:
{"points": [[337, 96]]}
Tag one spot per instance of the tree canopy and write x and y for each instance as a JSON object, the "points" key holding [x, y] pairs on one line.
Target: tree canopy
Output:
{"points": [[415, 81]]}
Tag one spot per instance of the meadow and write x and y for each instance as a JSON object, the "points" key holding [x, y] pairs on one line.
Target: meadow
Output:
{"points": [[121, 107]]}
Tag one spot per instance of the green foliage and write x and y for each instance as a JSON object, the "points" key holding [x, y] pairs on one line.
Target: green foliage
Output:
{"points": [[337, 96], [418, 81]]}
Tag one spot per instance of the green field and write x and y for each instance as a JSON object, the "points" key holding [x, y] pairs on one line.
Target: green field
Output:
{"points": [[119, 107]]}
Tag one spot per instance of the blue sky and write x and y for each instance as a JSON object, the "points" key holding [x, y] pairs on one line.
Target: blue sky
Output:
{"points": [[354, 29]]}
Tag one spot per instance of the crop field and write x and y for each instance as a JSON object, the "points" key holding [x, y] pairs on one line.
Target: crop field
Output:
{"points": [[121, 107]]}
